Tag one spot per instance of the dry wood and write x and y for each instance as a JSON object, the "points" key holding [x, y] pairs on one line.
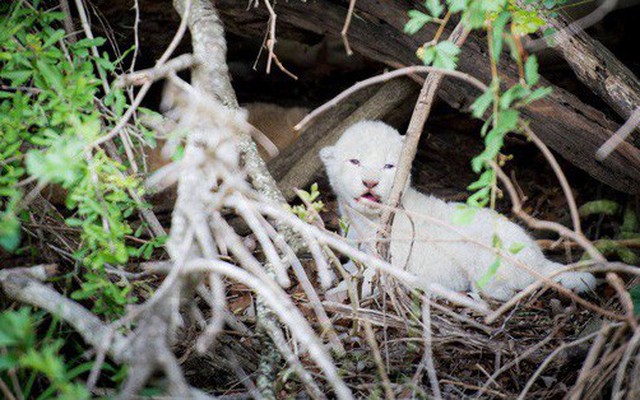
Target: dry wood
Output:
{"points": [[595, 66], [566, 124]]}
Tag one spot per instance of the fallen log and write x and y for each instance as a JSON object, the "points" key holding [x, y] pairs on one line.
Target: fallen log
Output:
{"points": [[572, 128], [595, 66]]}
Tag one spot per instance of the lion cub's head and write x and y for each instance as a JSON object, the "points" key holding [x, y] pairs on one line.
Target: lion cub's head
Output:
{"points": [[362, 164]]}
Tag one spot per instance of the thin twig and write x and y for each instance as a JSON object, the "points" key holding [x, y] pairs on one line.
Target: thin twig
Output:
{"points": [[616, 391], [271, 42], [68, 21], [564, 183], [287, 312], [419, 117], [377, 358], [572, 29], [588, 363], [383, 78], [427, 357], [145, 88], [625, 298], [345, 27], [144, 76], [550, 358], [619, 137], [4, 389], [548, 225]]}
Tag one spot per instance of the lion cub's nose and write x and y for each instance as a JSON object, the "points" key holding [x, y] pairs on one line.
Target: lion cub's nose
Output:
{"points": [[370, 184]]}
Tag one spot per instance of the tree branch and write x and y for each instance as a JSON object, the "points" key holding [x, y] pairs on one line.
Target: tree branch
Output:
{"points": [[410, 145]]}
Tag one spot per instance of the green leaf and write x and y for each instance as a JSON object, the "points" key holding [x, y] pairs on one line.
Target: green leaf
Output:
{"points": [[627, 255], [480, 198], [428, 55], [105, 63], [516, 92], [630, 221], [491, 272], [61, 163], [86, 43], [17, 77], [416, 21], [73, 222], [496, 242], [531, 70], [484, 180], [442, 55], [46, 361], [463, 215], [9, 232], [344, 226], [457, 5], [496, 34], [475, 15], [508, 121], [434, 7], [57, 35], [605, 207], [51, 75], [538, 94], [8, 361], [480, 105], [635, 298], [517, 247], [446, 56], [492, 5], [16, 328], [526, 22]]}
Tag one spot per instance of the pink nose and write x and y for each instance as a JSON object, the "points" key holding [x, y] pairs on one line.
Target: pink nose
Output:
{"points": [[370, 184]]}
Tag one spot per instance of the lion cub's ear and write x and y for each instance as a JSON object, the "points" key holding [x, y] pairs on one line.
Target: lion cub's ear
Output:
{"points": [[327, 154]]}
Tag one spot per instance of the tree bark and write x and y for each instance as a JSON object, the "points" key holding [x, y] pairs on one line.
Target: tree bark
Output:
{"points": [[596, 66], [572, 128]]}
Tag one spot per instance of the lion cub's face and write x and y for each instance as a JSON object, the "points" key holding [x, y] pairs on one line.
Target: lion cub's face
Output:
{"points": [[362, 164]]}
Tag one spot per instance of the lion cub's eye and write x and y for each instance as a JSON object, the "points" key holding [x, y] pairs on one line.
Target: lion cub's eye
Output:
{"points": [[354, 161], [389, 166]]}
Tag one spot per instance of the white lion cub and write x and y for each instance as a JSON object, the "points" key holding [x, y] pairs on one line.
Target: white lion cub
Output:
{"points": [[361, 167]]}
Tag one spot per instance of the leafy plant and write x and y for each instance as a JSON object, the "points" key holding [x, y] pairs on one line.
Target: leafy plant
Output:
{"points": [[504, 21], [53, 107], [635, 298], [442, 55], [22, 353], [626, 233], [311, 206]]}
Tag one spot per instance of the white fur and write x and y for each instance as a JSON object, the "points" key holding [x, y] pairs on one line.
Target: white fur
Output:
{"points": [[455, 258]]}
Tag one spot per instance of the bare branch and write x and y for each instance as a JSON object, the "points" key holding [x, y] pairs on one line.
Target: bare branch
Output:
{"points": [[619, 137], [410, 145]]}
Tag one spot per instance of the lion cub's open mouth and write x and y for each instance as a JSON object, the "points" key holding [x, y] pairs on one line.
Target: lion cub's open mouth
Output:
{"points": [[370, 197]]}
